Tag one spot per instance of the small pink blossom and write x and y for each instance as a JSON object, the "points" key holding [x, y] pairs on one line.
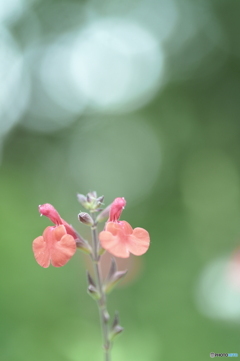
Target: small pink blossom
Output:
{"points": [[55, 246], [119, 238]]}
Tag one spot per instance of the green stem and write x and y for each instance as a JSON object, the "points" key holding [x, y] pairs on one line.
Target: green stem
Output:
{"points": [[102, 306]]}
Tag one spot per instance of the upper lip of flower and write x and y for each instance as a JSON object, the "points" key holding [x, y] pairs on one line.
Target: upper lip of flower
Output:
{"points": [[116, 209]]}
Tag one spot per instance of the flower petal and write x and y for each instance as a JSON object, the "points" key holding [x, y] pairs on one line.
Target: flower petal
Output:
{"points": [[126, 227], [113, 243], [41, 252], [114, 228], [138, 242], [49, 237], [64, 250], [59, 232]]}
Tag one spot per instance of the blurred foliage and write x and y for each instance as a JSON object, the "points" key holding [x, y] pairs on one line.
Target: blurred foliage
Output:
{"points": [[154, 118]]}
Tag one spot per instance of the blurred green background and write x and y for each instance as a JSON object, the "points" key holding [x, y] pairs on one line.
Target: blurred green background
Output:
{"points": [[136, 99]]}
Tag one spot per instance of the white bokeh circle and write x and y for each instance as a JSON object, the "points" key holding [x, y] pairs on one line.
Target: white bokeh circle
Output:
{"points": [[14, 83], [117, 64]]}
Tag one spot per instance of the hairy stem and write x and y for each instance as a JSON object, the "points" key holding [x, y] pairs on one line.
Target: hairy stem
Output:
{"points": [[102, 306]]}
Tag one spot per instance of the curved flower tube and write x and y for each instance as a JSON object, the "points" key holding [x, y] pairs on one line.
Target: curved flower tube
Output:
{"points": [[116, 209]]}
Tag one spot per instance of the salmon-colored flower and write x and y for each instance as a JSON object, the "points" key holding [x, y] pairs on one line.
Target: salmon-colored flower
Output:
{"points": [[119, 238], [55, 246]]}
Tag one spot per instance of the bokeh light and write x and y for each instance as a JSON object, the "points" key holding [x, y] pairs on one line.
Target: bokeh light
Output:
{"points": [[216, 296], [11, 10], [14, 85], [117, 64]]}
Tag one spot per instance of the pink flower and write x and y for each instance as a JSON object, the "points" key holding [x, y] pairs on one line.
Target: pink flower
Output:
{"points": [[55, 246], [119, 238], [49, 211]]}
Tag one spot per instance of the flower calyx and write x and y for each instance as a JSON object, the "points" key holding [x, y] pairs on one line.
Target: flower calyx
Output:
{"points": [[92, 288], [84, 246], [114, 276], [116, 329]]}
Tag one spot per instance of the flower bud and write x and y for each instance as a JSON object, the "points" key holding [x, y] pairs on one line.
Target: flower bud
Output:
{"points": [[92, 194], [91, 201], [104, 214], [100, 200], [82, 199], [89, 198], [85, 218]]}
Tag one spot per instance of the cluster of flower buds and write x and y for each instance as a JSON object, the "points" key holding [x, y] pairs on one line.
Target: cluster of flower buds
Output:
{"points": [[91, 201]]}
